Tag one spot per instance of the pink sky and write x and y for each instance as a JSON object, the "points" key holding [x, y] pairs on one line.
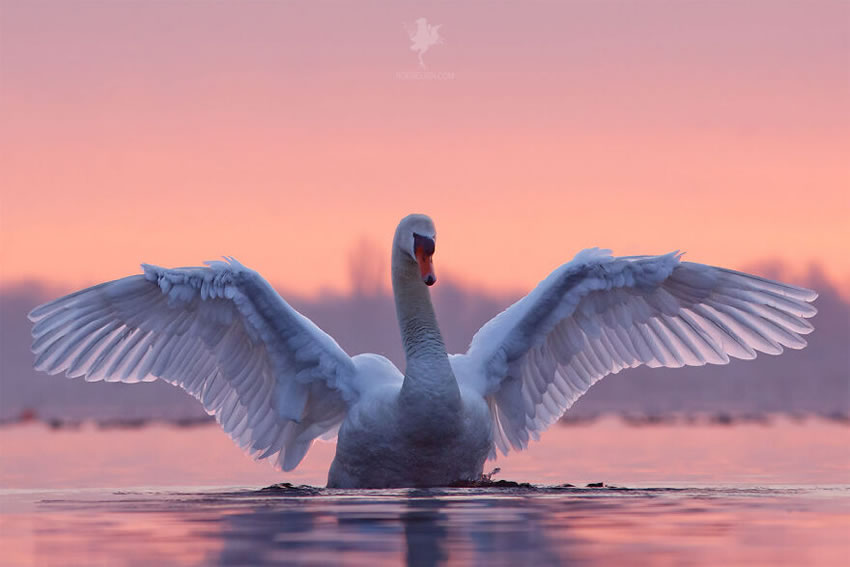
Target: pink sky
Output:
{"points": [[280, 133]]}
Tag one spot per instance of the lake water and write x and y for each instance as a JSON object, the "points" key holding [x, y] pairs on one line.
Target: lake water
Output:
{"points": [[774, 493]]}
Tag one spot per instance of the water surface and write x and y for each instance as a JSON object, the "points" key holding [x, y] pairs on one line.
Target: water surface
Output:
{"points": [[540, 526], [775, 493]]}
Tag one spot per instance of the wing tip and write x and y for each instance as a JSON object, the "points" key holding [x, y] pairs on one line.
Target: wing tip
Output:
{"points": [[37, 313]]}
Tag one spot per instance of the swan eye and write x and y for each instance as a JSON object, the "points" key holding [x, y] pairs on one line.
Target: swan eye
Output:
{"points": [[423, 243]]}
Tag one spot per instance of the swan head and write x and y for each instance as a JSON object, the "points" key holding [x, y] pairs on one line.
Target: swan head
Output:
{"points": [[416, 238]]}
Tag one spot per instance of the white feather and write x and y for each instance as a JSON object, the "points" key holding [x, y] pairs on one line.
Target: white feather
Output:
{"points": [[597, 315], [221, 333]]}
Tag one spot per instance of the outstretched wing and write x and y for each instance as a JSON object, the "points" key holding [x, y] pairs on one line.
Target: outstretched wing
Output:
{"points": [[272, 378], [597, 315]]}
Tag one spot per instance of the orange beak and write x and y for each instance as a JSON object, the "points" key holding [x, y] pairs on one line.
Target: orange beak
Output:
{"points": [[426, 267]]}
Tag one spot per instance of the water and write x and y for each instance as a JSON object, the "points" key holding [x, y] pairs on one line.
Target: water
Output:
{"points": [[762, 494]]}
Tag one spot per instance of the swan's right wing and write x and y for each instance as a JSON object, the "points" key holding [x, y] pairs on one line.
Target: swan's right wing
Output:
{"points": [[273, 380], [597, 315]]}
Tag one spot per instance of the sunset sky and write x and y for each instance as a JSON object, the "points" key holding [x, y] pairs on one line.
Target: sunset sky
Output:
{"points": [[292, 135]]}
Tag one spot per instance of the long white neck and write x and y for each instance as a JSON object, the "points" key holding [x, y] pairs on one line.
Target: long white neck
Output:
{"points": [[428, 372]]}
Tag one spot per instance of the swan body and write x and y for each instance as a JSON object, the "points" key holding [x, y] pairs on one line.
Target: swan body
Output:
{"points": [[275, 382]]}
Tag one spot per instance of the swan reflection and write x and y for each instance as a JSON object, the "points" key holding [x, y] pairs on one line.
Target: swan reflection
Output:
{"points": [[425, 532], [419, 528], [538, 527]]}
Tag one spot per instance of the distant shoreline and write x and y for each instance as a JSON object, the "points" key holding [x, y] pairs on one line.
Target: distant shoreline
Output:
{"points": [[632, 419]]}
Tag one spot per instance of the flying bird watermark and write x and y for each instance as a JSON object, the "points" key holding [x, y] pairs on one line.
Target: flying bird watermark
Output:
{"points": [[423, 37]]}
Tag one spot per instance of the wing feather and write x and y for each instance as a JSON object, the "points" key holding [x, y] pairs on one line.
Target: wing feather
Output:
{"points": [[273, 380], [598, 315]]}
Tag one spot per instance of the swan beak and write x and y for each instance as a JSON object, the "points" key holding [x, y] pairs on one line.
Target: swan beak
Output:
{"points": [[423, 249], [426, 267]]}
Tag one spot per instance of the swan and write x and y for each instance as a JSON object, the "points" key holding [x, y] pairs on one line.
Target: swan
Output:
{"points": [[276, 382]]}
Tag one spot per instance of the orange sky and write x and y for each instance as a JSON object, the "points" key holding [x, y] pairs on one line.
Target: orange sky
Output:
{"points": [[281, 133]]}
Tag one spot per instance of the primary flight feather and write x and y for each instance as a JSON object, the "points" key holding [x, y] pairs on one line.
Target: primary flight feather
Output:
{"points": [[275, 381]]}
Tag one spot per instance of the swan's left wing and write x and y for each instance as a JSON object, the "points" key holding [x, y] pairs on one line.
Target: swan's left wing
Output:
{"points": [[274, 381], [597, 315]]}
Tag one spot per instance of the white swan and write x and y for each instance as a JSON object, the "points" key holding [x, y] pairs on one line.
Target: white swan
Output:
{"points": [[276, 382]]}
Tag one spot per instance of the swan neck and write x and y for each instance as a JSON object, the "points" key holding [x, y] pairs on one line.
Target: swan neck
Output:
{"points": [[424, 349], [420, 333]]}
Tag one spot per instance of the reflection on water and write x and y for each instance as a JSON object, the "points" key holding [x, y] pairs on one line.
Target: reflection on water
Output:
{"points": [[425, 532], [730, 503], [540, 526]]}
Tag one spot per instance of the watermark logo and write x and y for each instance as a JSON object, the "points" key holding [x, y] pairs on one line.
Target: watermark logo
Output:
{"points": [[423, 36]]}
